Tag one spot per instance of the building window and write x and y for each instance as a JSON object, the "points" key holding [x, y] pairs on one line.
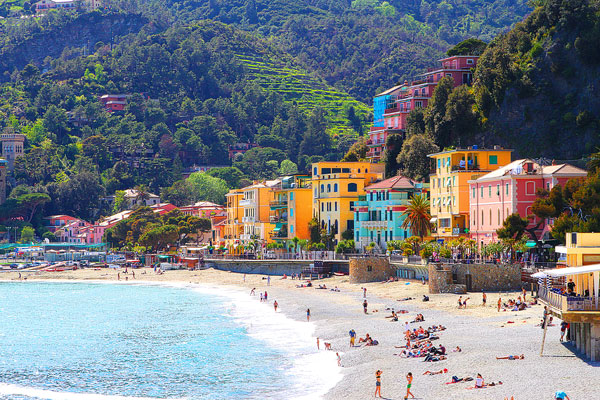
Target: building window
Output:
{"points": [[328, 188], [335, 206], [493, 160], [335, 187], [530, 188], [291, 196], [291, 213], [498, 216], [507, 189], [491, 217], [474, 192], [482, 217], [498, 190], [352, 187], [291, 229], [322, 207], [469, 61], [322, 188], [482, 192], [489, 190], [315, 171], [351, 206]]}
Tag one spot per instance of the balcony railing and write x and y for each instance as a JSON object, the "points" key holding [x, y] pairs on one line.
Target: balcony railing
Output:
{"points": [[278, 203], [248, 219], [245, 202], [472, 167], [565, 303], [276, 219]]}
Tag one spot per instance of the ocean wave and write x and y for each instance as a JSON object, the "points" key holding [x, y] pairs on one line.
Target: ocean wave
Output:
{"points": [[7, 389]]}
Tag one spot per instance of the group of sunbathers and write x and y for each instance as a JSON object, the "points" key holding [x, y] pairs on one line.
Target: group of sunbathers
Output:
{"points": [[418, 318]]}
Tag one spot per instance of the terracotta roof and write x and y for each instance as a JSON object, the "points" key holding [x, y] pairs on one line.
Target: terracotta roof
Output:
{"points": [[396, 182]]}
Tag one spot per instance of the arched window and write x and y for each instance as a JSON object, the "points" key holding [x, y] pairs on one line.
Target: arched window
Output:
{"points": [[322, 188], [359, 170], [335, 187], [352, 187], [315, 171], [328, 188], [335, 204]]}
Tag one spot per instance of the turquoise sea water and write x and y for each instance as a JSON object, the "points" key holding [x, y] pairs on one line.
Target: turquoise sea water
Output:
{"points": [[72, 340]]}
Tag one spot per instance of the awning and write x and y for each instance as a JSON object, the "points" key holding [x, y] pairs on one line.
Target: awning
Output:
{"points": [[530, 244], [561, 249], [586, 269], [277, 229], [539, 275]]}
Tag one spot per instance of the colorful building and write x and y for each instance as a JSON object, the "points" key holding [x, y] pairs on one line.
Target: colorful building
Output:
{"points": [[336, 188], [378, 215], [114, 102], [512, 189], [400, 100], [44, 6], [256, 204], [449, 185], [234, 227], [291, 208], [240, 148], [3, 173]]}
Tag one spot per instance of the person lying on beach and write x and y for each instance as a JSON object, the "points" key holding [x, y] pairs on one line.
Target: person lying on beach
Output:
{"points": [[405, 299], [511, 357], [367, 337], [457, 350], [456, 379], [335, 289], [430, 358], [425, 298], [436, 328], [322, 287], [441, 371]]}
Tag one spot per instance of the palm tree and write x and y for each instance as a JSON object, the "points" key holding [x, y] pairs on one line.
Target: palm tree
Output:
{"points": [[417, 216]]}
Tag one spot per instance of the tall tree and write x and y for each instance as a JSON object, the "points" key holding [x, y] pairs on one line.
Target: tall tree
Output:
{"points": [[413, 157], [417, 216]]}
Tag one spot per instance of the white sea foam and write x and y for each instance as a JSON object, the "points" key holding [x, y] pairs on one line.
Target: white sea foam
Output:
{"points": [[17, 390], [314, 372]]}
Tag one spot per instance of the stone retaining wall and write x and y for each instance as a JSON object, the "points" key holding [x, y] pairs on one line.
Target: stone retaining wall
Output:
{"points": [[271, 267], [458, 278], [370, 269]]}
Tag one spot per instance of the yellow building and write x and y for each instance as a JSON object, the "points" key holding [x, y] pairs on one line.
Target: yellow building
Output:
{"points": [[291, 208], [234, 227], [572, 293], [255, 202], [336, 187], [449, 185]]}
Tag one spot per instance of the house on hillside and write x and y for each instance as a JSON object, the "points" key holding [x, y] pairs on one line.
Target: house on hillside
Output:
{"points": [[44, 6], [391, 107], [114, 102], [55, 222], [512, 189]]}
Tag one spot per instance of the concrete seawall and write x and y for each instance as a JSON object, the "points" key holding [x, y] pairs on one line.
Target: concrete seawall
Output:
{"points": [[273, 267]]}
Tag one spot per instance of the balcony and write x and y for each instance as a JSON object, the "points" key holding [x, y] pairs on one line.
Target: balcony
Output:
{"points": [[277, 219], [281, 203], [246, 203], [374, 224], [562, 303]]}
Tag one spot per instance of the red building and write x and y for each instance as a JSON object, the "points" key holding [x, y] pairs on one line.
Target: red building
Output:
{"points": [[114, 102], [240, 148], [391, 108]]}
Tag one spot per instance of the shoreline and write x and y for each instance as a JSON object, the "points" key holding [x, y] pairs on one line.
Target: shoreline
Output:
{"points": [[482, 333]]}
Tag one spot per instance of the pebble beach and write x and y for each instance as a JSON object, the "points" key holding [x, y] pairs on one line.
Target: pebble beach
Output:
{"points": [[483, 334]]}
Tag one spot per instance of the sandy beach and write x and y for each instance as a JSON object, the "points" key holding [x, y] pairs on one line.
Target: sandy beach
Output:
{"points": [[481, 332]]}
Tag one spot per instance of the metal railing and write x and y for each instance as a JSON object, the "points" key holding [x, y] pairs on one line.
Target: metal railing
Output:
{"points": [[564, 303]]}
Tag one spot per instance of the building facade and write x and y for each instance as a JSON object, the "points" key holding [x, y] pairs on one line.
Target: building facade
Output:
{"points": [[255, 202], [449, 185], [234, 227], [378, 216], [336, 188], [12, 147], [291, 208], [44, 6], [114, 102], [512, 189], [391, 107]]}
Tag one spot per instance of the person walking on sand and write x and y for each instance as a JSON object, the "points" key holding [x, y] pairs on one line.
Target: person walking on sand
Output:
{"points": [[118, 276], [318, 344], [269, 280], [244, 278], [352, 337], [409, 378], [364, 292], [365, 304], [524, 294], [252, 292], [378, 383], [275, 305], [484, 299], [266, 295], [261, 296], [308, 315], [339, 359]]}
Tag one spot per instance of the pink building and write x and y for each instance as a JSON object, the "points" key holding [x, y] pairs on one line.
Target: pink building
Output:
{"points": [[512, 189], [391, 107], [54, 222], [114, 102]]}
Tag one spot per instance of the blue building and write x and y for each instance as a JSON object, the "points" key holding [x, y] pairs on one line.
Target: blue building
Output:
{"points": [[378, 215]]}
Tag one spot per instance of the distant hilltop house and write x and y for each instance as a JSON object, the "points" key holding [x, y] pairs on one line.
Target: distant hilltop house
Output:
{"points": [[114, 102], [44, 6], [12, 147], [134, 198], [391, 107], [240, 148]]}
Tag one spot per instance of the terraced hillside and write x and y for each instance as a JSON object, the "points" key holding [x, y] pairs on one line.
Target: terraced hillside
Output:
{"points": [[306, 91]]}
